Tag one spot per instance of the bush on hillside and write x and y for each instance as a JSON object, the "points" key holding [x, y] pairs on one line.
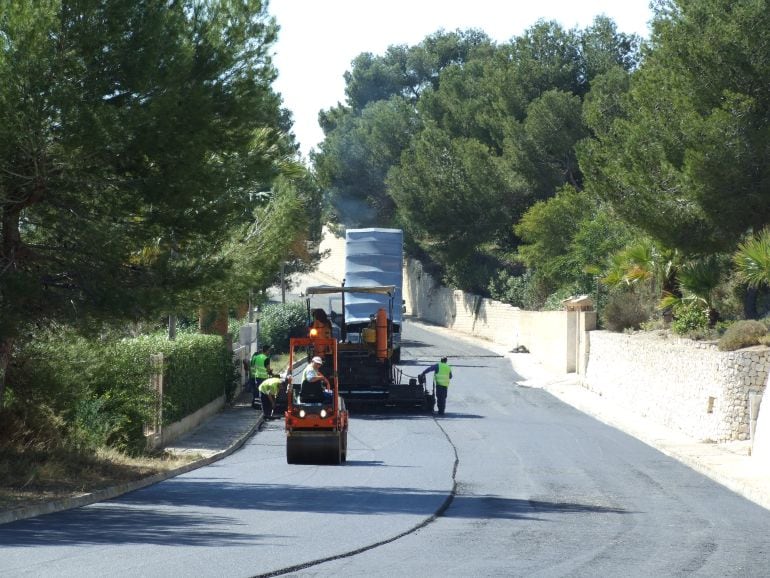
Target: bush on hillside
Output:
{"points": [[623, 310], [689, 317], [742, 334]]}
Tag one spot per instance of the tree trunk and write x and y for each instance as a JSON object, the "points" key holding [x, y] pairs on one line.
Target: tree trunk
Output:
{"points": [[750, 304], [6, 346]]}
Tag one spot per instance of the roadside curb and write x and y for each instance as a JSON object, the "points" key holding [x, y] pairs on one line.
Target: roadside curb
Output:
{"points": [[115, 491]]}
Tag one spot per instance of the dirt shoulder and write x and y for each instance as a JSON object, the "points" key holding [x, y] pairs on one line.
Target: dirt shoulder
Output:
{"points": [[35, 478]]}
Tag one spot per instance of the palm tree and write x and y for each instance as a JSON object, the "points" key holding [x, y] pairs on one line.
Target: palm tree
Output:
{"points": [[752, 264], [641, 261], [697, 281], [752, 260]]}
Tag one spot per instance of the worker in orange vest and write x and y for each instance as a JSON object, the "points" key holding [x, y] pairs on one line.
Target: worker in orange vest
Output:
{"points": [[321, 327]]}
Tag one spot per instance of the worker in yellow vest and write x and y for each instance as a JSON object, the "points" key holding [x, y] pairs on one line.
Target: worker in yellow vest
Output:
{"points": [[260, 370], [442, 378], [268, 391]]}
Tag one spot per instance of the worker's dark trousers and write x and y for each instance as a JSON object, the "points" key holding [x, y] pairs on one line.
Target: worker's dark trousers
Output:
{"points": [[441, 392], [255, 393], [267, 405]]}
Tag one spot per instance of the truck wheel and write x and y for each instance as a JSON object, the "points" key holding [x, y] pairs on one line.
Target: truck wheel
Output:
{"points": [[344, 447]]}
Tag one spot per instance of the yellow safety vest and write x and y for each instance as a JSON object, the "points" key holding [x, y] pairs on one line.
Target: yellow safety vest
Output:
{"points": [[258, 369], [270, 386], [442, 374]]}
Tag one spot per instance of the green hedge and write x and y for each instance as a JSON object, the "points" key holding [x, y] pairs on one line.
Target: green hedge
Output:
{"points": [[199, 368], [100, 389]]}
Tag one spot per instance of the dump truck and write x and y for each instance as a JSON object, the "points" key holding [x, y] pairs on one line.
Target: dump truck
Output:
{"points": [[315, 420], [365, 315]]}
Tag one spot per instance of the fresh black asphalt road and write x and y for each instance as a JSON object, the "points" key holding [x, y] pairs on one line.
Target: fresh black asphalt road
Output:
{"points": [[523, 484]]}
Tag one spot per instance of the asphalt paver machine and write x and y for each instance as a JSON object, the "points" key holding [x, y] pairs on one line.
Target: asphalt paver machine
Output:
{"points": [[369, 349]]}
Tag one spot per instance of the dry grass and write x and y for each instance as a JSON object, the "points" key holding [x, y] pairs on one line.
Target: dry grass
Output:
{"points": [[35, 477]]}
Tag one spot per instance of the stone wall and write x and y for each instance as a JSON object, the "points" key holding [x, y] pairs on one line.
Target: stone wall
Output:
{"points": [[681, 383]]}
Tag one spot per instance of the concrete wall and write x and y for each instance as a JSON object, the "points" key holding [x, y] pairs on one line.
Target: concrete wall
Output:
{"points": [[166, 434], [550, 336], [175, 430]]}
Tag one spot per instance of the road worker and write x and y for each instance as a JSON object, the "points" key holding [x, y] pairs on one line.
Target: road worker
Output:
{"points": [[321, 327], [260, 370], [442, 377], [313, 373], [268, 391]]}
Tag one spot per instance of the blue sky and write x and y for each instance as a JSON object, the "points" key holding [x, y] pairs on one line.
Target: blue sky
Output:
{"points": [[320, 38]]}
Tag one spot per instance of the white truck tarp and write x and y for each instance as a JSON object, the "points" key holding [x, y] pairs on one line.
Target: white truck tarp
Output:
{"points": [[373, 257]]}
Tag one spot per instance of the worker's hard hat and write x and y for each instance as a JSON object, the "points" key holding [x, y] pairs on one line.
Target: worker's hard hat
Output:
{"points": [[317, 359]]}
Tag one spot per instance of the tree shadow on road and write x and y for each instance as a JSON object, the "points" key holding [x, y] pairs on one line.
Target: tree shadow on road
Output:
{"points": [[156, 515]]}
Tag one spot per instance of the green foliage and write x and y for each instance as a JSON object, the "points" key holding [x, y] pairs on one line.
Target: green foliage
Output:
{"points": [[85, 394], [742, 334], [517, 290], [456, 137], [623, 310], [355, 158], [199, 369], [564, 237], [279, 322], [543, 150], [698, 282], [555, 301], [437, 189], [752, 260], [685, 156], [130, 155], [689, 316]]}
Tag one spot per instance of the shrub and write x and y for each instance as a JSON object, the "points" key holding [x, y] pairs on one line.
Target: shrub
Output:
{"points": [[742, 334], [517, 290], [281, 321], [555, 301], [623, 310], [689, 316]]}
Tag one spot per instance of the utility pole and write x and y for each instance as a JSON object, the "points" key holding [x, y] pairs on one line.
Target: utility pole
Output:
{"points": [[171, 327]]}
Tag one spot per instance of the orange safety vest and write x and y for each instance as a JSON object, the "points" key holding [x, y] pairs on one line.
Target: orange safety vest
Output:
{"points": [[325, 331]]}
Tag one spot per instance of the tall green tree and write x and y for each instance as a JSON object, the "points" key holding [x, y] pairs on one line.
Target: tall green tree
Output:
{"points": [[437, 189], [522, 104], [686, 159], [365, 136], [134, 136], [565, 237]]}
